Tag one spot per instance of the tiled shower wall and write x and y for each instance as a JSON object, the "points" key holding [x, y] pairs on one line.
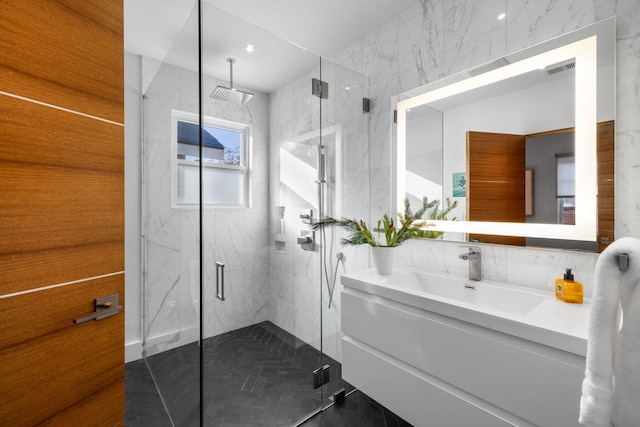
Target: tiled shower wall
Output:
{"points": [[234, 236], [263, 282], [297, 301], [435, 38]]}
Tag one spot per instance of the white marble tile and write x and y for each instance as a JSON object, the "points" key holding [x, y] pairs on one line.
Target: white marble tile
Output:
{"points": [[494, 261], [473, 33], [189, 227], [422, 254], [280, 115], [627, 132], [533, 21], [540, 268], [424, 42], [627, 15], [380, 142], [421, 44], [304, 106], [351, 57], [380, 194], [173, 235], [380, 51]]}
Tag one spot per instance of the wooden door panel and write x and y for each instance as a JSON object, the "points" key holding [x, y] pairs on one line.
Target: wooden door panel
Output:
{"points": [[62, 184], [495, 201], [96, 410], [66, 53], [495, 182], [62, 210], [44, 268], [51, 367], [41, 135], [86, 212]]}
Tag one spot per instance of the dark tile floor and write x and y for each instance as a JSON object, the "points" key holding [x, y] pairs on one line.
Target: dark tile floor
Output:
{"points": [[357, 410], [255, 376], [143, 406]]}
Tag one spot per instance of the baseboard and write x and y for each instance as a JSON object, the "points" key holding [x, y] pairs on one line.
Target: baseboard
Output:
{"points": [[132, 351], [171, 340]]}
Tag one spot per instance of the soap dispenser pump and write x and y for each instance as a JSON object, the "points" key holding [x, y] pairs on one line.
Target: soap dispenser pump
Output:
{"points": [[568, 290]]}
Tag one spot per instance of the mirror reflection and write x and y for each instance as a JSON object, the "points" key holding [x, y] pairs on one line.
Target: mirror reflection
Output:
{"points": [[517, 151]]}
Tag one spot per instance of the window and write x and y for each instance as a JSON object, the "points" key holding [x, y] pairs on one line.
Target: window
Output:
{"points": [[225, 160], [565, 188]]}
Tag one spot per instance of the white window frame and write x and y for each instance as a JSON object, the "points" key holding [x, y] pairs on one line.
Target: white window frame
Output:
{"points": [[245, 166]]}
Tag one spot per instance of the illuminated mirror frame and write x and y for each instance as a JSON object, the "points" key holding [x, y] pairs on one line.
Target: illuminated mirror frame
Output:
{"points": [[585, 53]]}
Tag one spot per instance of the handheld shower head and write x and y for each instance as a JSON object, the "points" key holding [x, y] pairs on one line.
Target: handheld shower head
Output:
{"points": [[230, 94]]}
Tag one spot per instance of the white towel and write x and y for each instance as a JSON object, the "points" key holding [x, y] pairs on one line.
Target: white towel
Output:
{"points": [[611, 388]]}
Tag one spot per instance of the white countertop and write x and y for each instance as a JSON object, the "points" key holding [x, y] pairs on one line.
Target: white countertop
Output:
{"points": [[552, 322]]}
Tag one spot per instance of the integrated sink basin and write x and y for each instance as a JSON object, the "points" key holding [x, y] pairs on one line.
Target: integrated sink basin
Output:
{"points": [[530, 313], [484, 294], [472, 352]]}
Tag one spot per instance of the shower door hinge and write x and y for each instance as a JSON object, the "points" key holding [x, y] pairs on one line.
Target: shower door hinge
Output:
{"points": [[339, 396], [395, 116], [320, 88], [366, 105], [321, 376]]}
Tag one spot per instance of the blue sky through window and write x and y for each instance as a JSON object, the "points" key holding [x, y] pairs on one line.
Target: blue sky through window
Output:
{"points": [[231, 141]]}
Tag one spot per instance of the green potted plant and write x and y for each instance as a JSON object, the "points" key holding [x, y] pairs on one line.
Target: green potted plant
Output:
{"points": [[386, 235]]}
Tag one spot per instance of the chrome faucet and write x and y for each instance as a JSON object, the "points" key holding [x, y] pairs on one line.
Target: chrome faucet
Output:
{"points": [[475, 262]]}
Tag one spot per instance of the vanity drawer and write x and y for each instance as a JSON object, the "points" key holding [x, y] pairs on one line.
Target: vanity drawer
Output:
{"points": [[532, 381], [412, 397]]}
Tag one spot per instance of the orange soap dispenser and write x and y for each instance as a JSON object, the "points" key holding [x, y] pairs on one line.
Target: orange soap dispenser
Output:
{"points": [[568, 290]]}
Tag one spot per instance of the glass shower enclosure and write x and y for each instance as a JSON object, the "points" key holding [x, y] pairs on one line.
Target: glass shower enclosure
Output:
{"points": [[241, 302]]}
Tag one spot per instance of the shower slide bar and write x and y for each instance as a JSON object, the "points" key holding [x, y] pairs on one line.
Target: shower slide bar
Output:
{"points": [[220, 280]]}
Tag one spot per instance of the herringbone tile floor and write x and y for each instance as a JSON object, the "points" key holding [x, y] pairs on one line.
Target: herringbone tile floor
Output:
{"points": [[255, 376]]}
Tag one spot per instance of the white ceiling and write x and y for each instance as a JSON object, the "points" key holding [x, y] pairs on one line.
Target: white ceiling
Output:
{"points": [[289, 35]]}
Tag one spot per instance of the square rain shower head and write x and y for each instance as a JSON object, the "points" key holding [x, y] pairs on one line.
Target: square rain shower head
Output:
{"points": [[231, 95]]}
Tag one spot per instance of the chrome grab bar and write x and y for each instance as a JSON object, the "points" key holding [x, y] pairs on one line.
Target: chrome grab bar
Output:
{"points": [[220, 280], [105, 307]]}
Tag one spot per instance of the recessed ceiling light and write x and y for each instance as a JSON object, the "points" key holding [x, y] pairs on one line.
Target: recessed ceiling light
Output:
{"points": [[502, 16], [249, 48]]}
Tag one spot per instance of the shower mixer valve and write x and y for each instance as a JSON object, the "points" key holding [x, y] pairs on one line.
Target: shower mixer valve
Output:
{"points": [[307, 237], [307, 216]]}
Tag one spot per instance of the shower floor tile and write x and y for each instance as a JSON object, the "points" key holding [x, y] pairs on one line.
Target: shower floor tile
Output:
{"points": [[357, 410], [143, 406], [259, 375], [256, 376]]}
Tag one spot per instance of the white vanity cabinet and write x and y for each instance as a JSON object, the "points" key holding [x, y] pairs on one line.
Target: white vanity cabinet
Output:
{"points": [[435, 370]]}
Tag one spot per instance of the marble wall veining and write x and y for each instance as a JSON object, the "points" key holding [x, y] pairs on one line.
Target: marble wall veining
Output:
{"points": [[429, 40], [435, 38], [234, 236], [299, 296]]}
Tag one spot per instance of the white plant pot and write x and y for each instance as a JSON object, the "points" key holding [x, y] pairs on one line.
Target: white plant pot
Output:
{"points": [[383, 258]]}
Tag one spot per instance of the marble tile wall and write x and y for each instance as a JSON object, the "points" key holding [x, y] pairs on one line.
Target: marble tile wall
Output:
{"points": [[235, 236], [435, 38], [427, 41], [297, 290]]}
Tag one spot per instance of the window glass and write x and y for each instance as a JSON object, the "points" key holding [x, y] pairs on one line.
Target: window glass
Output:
{"points": [[225, 148]]}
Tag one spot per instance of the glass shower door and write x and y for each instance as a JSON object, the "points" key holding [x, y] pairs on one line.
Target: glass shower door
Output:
{"points": [[345, 138], [260, 320], [171, 306], [241, 299]]}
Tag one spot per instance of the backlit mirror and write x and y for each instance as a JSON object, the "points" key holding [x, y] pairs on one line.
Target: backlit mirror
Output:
{"points": [[524, 144]]}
